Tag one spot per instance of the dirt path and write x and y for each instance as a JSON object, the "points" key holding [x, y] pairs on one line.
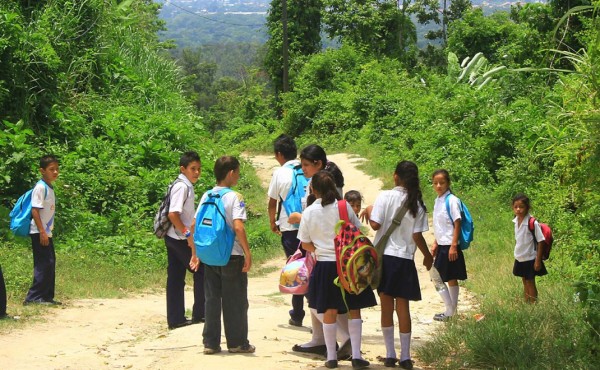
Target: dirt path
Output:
{"points": [[131, 333]]}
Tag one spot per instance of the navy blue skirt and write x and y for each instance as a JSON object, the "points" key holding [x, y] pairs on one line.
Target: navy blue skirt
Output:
{"points": [[399, 279], [526, 270], [455, 270], [323, 294]]}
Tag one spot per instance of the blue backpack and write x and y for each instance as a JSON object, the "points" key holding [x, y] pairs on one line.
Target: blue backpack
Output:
{"points": [[20, 216], [213, 238], [293, 200], [466, 222]]}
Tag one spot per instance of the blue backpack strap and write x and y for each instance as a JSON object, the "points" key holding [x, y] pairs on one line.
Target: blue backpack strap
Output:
{"points": [[448, 206]]}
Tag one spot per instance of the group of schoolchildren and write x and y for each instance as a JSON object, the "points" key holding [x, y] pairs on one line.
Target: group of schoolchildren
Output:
{"points": [[223, 289]]}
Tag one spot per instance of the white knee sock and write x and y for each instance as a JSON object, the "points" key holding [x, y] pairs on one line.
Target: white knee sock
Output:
{"points": [[343, 334], [388, 339], [445, 294], [454, 296], [318, 339], [355, 328], [404, 346], [329, 331]]}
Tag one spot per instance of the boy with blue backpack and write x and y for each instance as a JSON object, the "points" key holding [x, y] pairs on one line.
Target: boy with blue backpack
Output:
{"points": [[287, 187], [222, 246], [43, 206]]}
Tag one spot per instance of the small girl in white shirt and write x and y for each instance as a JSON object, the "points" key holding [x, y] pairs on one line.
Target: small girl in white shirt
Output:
{"points": [[449, 257], [317, 233], [400, 281], [528, 256]]}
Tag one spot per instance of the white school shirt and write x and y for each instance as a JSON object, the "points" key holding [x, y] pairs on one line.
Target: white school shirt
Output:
{"points": [[235, 209], [443, 227], [524, 247], [318, 227], [280, 185], [182, 202], [45, 201], [401, 243]]}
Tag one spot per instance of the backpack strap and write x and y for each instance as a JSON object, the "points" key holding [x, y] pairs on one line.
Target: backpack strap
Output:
{"points": [[447, 201], [398, 216], [343, 209], [531, 227]]}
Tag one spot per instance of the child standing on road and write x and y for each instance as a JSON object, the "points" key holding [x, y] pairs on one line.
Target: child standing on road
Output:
{"points": [[449, 258], [226, 287], [399, 281], [355, 199], [528, 256], [181, 252], [43, 205], [317, 233]]}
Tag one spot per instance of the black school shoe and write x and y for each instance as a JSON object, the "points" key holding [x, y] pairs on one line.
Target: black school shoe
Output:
{"points": [[317, 350], [359, 363], [331, 364], [196, 320], [390, 362], [406, 364], [180, 325], [42, 302]]}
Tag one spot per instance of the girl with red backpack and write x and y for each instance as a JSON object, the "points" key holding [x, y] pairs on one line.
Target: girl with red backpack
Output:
{"points": [[528, 256], [317, 233]]}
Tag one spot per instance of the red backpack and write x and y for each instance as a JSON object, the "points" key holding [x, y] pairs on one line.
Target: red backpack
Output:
{"points": [[547, 232], [355, 256]]}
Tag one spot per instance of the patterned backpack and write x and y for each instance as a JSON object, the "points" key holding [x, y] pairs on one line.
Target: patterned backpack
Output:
{"points": [[355, 256]]}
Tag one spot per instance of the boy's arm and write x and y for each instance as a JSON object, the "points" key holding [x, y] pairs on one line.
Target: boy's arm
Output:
{"points": [[35, 215], [310, 247], [422, 245], [272, 207], [240, 233], [175, 219]]}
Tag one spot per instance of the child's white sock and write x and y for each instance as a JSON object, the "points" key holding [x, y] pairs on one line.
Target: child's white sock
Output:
{"points": [[404, 346], [445, 294], [388, 339], [318, 338], [355, 328], [454, 296], [329, 331], [343, 333]]}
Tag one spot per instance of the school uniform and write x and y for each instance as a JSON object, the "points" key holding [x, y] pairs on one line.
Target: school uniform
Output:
{"points": [[318, 227], [443, 230], [226, 287], [526, 250], [281, 183], [399, 274], [44, 257], [179, 255]]}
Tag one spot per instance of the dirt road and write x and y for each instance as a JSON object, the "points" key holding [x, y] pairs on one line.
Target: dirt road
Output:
{"points": [[132, 334]]}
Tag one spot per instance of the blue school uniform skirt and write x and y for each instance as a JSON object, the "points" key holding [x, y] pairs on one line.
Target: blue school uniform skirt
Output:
{"points": [[450, 270], [399, 278], [525, 269], [323, 294]]}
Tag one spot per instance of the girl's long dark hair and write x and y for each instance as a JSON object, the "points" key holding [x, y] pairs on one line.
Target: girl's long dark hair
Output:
{"points": [[324, 184], [408, 173], [315, 153]]}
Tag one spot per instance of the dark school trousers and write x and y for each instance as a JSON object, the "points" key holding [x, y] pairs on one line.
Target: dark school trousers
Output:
{"points": [[44, 271], [227, 291], [178, 257], [290, 242], [2, 294]]}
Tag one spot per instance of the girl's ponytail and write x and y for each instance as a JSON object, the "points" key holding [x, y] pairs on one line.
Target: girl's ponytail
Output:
{"points": [[408, 173], [324, 184]]}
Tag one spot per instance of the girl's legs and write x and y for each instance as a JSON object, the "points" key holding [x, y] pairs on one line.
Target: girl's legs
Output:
{"points": [[387, 324], [355, 328], [453, 290], [530, 290], [329, 331], [318, 338], [403, 312]]}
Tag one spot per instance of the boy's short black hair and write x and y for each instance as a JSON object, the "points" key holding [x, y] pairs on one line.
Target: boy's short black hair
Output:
{"points": [[223, 165], [353, 196], [285, 145], [189, 157], [47, 160]]}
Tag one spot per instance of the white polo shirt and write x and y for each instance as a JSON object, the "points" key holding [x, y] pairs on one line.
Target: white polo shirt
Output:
{"points": [[400, 243], [182, 202], [235, 209], [443, 227], [44, 199], [524, 247], [318, 227], [280, 185]]}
